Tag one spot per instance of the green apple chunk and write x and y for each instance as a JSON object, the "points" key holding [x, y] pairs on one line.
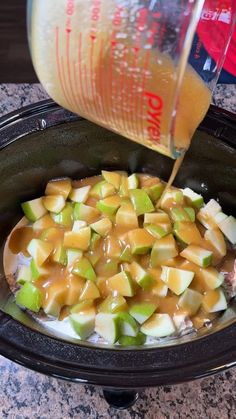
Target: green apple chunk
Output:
{"points": [[139, 275], [29, 297], [65, 217], [133, 181], [141, 201], [180, 214], [108, 326], [155, 191], [190, 301], [51, 234], [157, 218], [112, 177], [83, 324], [84, 268], [107, 189], [110, 205], [90, 291], [138, 340], [140, 241], [113, 304], [214, 300], [121, 283], [102, 227], [78, 224], [126, 255], [85, 306], [211, 208], [197, 255], [59, 255], [38, 271], [171, 197], [95, 191], [43, 223], [187, 232], [195, 199], [163, 249], [54, 203], [228, 228], [156, 231], [128, 326], [59, 187], [94, 241], [79, 194], [24, 275], [219, 217], [126, 216], [158, 325], [77, 240], [39, 250], [177, 280], [142, 311], [85, 212], [217, 241], [211, 277], [73, 255], [33, 209], [124, 190]]}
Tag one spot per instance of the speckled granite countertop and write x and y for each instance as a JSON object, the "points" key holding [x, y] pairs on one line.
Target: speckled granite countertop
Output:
{"points": [[28, 395]]}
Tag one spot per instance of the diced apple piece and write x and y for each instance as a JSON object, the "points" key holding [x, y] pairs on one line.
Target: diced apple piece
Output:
{"points": [[85, 306], [211, 208], [54, 203], [140, 241], [141, 201], [85, 212], [211, 277], [65, 217], [113, 304], [191, 213], [179, 214], [75, 285], [83, 324], [217, 241], [39, 250], [112, 247], [51, 234], [95, 191], [190, 301], [126, 255], [128, 326], [94, 241], [170, 198], [77, 240], [155, 191], [55, 298], [102, 226], [142, 311], [59, 255], [198, 255], [112, 177], [59, 187], [90, 291], [214, 301], [110, 205], [156, 231], [163, 249], [38, 271], [79, 194], [24, 275], [121, 283], [205, 220], [29, 297], [83, 268], [228, 228], [73, 255], [159, 288], [157, 218], [133, 181], [108, 326], [195, 199], [133, 341], [139, 275], [187, 232], [158, 325], [44, 222], [33, 209], [176, 279], [107, 189], [78, 224], [126, 216], [124, 190], [219, 217]]}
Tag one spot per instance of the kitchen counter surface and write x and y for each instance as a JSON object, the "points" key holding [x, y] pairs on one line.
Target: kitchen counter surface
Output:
{"points": [[28, 395]]}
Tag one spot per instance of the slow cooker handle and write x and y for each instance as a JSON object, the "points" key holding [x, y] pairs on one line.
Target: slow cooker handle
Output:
{"points": [[120, 398]]}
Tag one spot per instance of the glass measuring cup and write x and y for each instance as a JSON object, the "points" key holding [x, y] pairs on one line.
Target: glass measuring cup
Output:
{"points": [[142, 68]]}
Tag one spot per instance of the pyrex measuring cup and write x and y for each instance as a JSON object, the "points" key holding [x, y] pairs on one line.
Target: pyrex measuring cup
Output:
{"points": [[138, 67]]}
